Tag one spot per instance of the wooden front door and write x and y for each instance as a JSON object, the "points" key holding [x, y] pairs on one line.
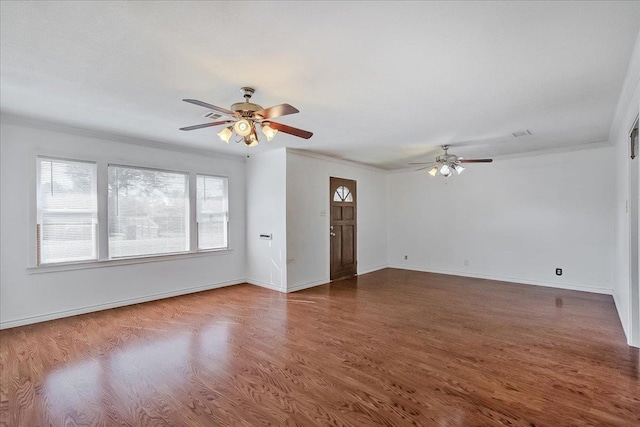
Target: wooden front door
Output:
{"points": [[342, 227]]}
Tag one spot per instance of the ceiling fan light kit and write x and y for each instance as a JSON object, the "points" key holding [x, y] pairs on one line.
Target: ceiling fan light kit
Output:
{"points": [[446, 164], [225, 134], [244, 118]]}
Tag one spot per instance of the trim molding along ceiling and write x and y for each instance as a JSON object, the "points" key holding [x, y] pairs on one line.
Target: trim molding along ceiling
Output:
{"points": [[10, 119]]}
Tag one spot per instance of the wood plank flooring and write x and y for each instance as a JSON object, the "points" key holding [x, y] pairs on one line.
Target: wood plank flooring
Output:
{"points": [[389, 348]]}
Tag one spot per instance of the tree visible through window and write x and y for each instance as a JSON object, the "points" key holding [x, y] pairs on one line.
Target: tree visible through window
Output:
{"points": [[212, 212], [148, 212], [67, 211]]}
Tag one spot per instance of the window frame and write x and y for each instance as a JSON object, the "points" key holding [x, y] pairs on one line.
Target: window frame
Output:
{"points": [[102, 192], [37, 211]]}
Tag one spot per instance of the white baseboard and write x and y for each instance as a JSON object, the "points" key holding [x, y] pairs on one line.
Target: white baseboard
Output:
{"points": [[371, 270], [265, 285], [325, 281], [120, 303], [307, 285], [509, 279]]}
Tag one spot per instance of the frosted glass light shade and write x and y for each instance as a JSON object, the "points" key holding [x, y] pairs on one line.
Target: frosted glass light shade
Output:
{"points": [[251, 140], [242, 127], [225, 134], [269, 132]]}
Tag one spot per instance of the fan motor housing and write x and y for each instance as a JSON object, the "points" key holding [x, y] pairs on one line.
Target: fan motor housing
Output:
{"points": [[447, 158], [246, 109]]}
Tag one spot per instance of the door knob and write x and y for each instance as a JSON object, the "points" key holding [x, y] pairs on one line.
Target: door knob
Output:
{"points": [[332, 234]]}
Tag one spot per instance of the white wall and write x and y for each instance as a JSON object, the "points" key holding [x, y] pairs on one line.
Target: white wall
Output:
{"points": [[627, 112], [266, 213], [308, 217], [515, 219], [27, 295]]}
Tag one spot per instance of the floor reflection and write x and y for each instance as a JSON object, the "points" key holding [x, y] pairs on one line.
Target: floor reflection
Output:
{"points": [[157, 362], [73, 387]]}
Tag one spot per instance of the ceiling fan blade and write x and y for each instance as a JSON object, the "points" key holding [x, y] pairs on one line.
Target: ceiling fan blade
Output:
{"points": [[419, 163], [277, 111], [211, 107], [290, 130], [206, 125], [475, 160]]}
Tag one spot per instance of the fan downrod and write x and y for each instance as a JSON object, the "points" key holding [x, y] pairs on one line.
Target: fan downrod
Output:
{"points": [[247, 92]]}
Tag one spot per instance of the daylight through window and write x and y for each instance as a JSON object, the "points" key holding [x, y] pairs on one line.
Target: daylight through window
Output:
{"points": [[148, 212], [66, 211], [212, 212]]}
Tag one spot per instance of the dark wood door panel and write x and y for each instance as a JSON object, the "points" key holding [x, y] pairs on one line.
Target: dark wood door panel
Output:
{"points": [[343, 228], [347, 246], [336, 213], [347, 213]]}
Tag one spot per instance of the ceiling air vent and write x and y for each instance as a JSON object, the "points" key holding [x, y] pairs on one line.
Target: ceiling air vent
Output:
{"points": [[212, 115], [520, 133]]}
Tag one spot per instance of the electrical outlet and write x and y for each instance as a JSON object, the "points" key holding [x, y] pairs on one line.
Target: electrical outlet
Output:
{"points": [[406, 257], [466, 262], [558, 272]]}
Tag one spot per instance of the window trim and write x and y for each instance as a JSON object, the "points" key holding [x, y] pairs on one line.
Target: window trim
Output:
{"points": [[82, 265], [102, 164]]}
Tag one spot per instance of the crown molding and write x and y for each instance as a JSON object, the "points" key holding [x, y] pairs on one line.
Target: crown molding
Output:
{"points": [[556, 150], [533, 153], [629, 88], [315, 155], [20, 120]]}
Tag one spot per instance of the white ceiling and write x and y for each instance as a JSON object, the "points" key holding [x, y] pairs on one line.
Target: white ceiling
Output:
{"points": [[382, 83]]}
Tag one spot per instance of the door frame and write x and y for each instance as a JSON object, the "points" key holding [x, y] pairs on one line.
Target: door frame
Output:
{"points": [[633, 208]]}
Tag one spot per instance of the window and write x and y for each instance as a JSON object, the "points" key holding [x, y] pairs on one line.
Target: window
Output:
{"points": [[148, 212], [66, 211], [212, 212], [342, 194]]}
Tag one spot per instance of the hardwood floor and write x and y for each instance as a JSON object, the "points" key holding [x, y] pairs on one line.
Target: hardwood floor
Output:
{"points": [[392, 347]]}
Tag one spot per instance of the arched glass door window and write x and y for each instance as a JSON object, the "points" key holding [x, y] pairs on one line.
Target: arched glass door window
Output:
{"points": [[342, 194]]}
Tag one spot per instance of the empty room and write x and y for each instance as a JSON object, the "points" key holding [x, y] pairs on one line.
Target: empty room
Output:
{"points": [[310, 213]]}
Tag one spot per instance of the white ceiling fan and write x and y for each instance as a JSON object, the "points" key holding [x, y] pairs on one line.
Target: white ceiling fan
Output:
{"points": [[446, 164]]}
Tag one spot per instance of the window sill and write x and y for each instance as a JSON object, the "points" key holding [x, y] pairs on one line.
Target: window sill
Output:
{"points": [[51, 268]]}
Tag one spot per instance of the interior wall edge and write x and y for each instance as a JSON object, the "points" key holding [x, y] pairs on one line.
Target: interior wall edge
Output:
{"points": [[516, 280], [115, 304], [623, 323]]}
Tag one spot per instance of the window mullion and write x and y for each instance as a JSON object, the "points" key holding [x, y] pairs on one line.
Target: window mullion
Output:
{"points": [[103, 217], [193, 225]]}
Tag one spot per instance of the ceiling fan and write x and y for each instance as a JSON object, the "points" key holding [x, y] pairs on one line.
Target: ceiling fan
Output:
{"points": [[244, 118], [446, 164]]}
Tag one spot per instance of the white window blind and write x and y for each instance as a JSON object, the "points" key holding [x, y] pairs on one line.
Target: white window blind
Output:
{"points": [[212, 212], [66, 211], [148, 212]]}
